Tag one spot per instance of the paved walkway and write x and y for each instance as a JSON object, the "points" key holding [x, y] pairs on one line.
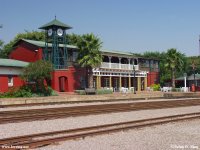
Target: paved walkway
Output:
{"points": [[71, 97]]}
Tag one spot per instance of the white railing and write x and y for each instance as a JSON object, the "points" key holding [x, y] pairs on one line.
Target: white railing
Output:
{"points": [[125, 66], [136, 67], [118, 66]]}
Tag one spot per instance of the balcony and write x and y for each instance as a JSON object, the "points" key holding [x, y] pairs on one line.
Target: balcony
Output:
{"points": [[118, 66]]}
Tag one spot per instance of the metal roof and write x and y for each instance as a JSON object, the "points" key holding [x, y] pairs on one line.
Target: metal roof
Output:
{"points": [[117, 52], [12, 63], [55, 22], [191, 77], [42, 44]]}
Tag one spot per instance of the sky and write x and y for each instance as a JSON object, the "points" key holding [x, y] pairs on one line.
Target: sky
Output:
{"points": [[133, 26]]}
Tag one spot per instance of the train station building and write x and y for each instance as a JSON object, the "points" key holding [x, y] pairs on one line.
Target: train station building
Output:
{"points": [[118, 70]]}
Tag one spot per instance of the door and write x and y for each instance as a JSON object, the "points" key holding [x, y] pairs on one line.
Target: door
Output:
{"points": [[63, 84]]}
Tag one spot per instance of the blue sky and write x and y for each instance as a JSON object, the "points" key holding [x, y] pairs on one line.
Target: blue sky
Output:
{"points": [[124, 25]]}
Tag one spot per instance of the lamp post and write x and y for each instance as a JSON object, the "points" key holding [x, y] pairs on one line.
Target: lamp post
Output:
{"points": [[134, 79], [185, 76], [193, 68]]}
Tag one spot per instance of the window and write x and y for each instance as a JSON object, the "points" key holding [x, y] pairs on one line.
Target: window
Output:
{"points": [[106, 82], [75, 56], [10, 81], [147, 63], [156, 64]]}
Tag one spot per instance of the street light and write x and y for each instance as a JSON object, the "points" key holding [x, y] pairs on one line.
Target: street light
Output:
{"points": [[193, 68], [134, 79], [185, 76]]}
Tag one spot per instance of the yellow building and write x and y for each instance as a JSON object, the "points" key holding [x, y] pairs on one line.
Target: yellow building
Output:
{"points": [[121, 70]]}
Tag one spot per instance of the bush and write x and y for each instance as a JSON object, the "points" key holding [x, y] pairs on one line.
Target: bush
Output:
{"points": [[156, 87], [176, 89], [23, 91], [104, 91], [80, 92], [27, 91], [47, 91]]}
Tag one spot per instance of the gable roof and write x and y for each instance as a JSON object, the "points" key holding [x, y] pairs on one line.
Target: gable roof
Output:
{"points": [[42, 44], [12, 63]]}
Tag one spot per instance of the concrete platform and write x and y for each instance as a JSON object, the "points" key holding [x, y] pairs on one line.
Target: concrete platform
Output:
{"points": [[71, 98]]}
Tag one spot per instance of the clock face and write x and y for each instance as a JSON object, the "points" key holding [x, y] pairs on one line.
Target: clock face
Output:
{"points": [[60, 32], [50, 32]]}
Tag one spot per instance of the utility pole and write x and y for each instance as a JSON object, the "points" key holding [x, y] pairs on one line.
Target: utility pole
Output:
{"points": [[199, 45], [193, 68]]}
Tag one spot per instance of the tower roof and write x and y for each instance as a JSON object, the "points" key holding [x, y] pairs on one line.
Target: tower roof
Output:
{"points": [[55, 22]]}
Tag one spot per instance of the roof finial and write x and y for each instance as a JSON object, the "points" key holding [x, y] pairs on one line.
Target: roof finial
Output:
{"points": [[55, 17]]}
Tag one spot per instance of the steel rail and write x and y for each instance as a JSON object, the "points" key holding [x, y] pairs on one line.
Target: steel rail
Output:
{"points": [[34, 140], [29, 115]]}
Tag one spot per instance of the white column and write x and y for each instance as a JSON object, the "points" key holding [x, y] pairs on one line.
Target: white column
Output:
{"points": [[129, 63], [120, 62], [110, 57], [185, 84]]}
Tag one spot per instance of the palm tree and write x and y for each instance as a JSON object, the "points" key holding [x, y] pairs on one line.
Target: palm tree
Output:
{"points": [[89, 54], [174, 62]]}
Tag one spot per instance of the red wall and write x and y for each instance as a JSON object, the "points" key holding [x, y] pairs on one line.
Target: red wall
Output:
{"points": [[3, 83], [72, 76], [25, 54], [17, 82], [151, 77]]}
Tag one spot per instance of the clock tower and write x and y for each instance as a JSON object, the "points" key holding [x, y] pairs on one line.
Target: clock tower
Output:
{"points": [[56, 43]]}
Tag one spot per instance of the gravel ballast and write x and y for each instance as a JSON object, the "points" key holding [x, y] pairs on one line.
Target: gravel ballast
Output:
{"points": [[24, 128], [84, 104], [172, 136]]}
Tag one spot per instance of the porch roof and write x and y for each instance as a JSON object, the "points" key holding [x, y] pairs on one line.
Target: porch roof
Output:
{"points": [[12, 63], [191, 77]]}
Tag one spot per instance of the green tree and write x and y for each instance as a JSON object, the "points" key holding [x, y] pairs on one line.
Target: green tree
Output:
{"points": [[1, 47], [174, 61], [164, 73], [38, 72], [89, 54], [33, 35], [73, 39], [1, 44], [190, 61]]}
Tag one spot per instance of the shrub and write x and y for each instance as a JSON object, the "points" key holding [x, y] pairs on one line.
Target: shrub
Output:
{"points": [[104, 91], [27, 91], [156, 87], [80, 92], [176, 89], [47, 91], [23, 91]]}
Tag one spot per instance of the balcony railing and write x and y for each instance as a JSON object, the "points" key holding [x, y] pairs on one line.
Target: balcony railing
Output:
{"points": [[118, 66]]}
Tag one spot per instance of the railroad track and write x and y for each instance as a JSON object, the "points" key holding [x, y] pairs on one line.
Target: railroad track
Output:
{"points": [[62, 112], [48, 138]]}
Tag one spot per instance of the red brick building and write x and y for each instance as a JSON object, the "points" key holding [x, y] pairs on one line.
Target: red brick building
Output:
{"points": [[117, 71], [9, 73]]}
